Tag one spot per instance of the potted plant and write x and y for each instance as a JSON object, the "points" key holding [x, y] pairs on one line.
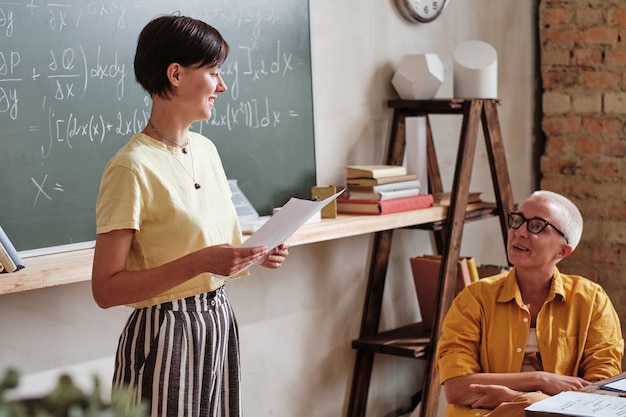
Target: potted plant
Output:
{"points": [[68, 400]]}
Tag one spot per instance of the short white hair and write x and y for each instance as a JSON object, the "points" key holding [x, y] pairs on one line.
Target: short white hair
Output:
{"points": [[571, 222]]}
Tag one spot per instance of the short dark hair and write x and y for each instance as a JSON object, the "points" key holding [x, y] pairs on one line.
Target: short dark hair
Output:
{"points": [[173, 38]]}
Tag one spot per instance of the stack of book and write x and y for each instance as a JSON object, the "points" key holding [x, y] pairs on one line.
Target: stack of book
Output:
{"points": [[381, 189], [10, 260]]}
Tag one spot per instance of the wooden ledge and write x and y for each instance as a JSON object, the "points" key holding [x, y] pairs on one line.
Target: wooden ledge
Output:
{"points": [[49, 270], [410, 341], [75, 266]]}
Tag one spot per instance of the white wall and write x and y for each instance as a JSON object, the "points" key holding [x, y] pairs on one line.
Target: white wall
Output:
{"points": [[297, 324]]}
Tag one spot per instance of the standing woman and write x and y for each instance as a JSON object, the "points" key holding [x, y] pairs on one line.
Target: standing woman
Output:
{"points": [[167, 234]]}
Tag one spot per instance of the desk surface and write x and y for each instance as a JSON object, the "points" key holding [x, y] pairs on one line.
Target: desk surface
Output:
{"points": [[593, 388], [75, 266]]}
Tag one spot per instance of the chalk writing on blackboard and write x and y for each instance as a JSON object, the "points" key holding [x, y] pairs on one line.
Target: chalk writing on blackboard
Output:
{"points": [[68, 101]]}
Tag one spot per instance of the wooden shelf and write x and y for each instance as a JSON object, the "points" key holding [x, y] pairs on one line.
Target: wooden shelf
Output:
{"points": [[70, 267], [448, 232], [436, 106], [346, 225], [410, 341], [48, 271]]}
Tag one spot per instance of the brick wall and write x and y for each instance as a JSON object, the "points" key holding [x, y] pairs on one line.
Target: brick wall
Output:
{"points": [[583, 75]]}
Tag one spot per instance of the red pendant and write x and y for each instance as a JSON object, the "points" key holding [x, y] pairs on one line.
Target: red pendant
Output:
{"points": [[197, 186]]}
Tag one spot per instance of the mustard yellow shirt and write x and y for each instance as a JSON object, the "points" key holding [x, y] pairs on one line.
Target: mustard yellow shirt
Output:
{"points": [[486, 330], [148, 186]]}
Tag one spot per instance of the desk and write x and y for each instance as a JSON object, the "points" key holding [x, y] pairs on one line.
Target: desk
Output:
{"points": [[593, 388]]}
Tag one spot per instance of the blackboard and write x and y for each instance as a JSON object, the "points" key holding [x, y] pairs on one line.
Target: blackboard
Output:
{"points": [[69, 101]]}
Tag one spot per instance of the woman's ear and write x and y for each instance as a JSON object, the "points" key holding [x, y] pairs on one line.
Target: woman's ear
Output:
{"points": [[173, 73], [564, 251]]}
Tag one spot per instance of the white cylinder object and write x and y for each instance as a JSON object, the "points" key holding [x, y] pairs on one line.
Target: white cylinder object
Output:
{"points": [[475, 70]]}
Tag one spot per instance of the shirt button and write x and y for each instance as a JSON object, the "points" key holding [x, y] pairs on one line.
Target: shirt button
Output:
{"points": [[525, 319], [518, 350]]}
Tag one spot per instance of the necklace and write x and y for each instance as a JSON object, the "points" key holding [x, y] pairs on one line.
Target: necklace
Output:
{"points": [[192, 174], [193, 168], [183, 147]]}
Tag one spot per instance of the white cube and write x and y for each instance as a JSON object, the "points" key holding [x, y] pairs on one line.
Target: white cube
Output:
{"points": [[418, 77]]}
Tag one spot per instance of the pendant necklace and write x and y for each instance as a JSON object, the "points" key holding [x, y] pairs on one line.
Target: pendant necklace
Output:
{"points": [[192, 174], [183, 147]]}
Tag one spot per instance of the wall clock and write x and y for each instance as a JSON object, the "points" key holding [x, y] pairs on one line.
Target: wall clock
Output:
{"points": [[421, 11]]}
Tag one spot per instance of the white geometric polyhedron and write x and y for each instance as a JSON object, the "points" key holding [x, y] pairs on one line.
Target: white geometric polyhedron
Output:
{"points": [[418, 77]]}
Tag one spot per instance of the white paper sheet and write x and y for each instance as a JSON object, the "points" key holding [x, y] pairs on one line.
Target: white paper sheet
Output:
{"points": [[416, 152], [285, 223], [619, 385], [582, 404]]}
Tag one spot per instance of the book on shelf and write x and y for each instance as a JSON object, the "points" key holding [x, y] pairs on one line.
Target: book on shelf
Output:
{"points": [[14, 261], [473, 268], [443, 199], [391, 186], [490, 270], [377, 181], [471, 265], [5, 260], [375, 171], [395, 205], [381, 195], [426, 271]]}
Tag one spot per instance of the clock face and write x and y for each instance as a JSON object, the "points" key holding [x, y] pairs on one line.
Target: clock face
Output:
{"points": [[421, 10]]}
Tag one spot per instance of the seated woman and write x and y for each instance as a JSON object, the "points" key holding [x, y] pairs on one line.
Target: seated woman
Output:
{"points": [[513, 339]]}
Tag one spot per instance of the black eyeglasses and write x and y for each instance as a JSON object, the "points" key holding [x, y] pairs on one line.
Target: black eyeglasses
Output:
{"points": [[534, 225]]}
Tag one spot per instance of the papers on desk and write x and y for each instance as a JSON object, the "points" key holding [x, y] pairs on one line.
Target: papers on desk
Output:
{"points": [[582, 404], [617, 385]]}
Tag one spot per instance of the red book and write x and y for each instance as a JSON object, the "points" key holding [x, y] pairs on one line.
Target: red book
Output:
{"points": [[393, 205]]}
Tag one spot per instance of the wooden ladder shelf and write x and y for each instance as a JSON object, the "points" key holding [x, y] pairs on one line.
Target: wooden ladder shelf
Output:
{"points": [[413, 340]]}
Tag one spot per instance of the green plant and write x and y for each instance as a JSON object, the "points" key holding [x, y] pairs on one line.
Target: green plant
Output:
{"points": [[67, 400]]}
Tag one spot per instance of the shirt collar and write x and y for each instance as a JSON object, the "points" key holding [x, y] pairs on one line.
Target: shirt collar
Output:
{"points": [[510, 288]]}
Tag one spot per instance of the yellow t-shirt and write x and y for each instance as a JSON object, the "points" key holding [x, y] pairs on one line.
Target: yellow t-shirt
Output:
{"points": [[486, 330], [149, 187]]}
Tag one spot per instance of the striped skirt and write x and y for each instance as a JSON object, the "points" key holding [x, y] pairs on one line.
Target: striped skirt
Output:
{"points": [[183, 357]]}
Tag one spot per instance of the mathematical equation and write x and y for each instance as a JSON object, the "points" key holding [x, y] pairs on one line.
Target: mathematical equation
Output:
{"points": [[66, 76]]}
